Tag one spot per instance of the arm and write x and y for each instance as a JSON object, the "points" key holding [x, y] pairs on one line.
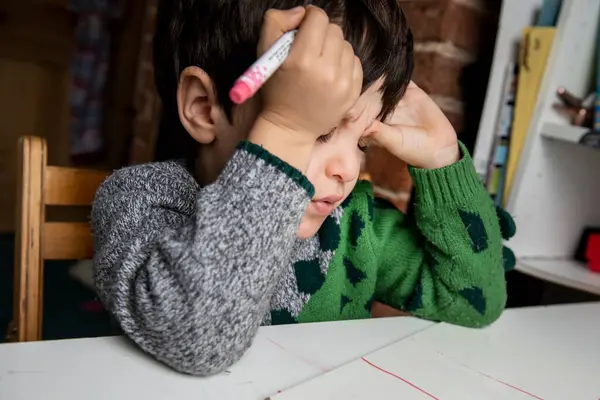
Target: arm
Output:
{"points": [[445, 263], [188, 273]]}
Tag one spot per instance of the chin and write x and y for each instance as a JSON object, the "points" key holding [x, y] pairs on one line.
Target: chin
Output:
{"points": [[308, 228]]}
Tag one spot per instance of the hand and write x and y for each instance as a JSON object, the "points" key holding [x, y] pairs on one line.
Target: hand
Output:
{"points": [[320, 80], [418, 132]]}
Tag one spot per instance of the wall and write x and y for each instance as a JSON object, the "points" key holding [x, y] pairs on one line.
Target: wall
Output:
{"points": [[448, 38]]}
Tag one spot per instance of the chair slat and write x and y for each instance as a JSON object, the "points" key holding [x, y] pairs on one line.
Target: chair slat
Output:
{"points": [[67, 241], [71, 186], [29, 277]]}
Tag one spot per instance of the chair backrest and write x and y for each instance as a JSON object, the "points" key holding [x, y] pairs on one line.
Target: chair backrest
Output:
{"points": [[36, 240]]}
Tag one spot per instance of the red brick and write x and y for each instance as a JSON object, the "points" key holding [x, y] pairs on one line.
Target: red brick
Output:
{"points": [[444, 21], [437, 74], [461, 25], [425, 18]]}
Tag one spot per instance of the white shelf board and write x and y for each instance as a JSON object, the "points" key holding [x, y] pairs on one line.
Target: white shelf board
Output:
{"points": [[571, 134], [563, 272]]}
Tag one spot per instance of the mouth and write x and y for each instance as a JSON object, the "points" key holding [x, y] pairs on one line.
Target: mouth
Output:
{"points": [[325, 205]]}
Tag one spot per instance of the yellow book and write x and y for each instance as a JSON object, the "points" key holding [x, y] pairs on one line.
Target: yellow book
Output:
{"points": [[535, 47]]}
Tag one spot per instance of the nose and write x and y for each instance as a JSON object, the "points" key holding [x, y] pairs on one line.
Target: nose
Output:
{"points": [[342, 167]]}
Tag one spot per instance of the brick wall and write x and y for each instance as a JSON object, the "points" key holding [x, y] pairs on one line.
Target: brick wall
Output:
{"points": [[447, 39]]}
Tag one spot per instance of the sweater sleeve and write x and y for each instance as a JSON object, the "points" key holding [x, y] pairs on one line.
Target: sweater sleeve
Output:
{"points": [[444, 262], [188, 273]]}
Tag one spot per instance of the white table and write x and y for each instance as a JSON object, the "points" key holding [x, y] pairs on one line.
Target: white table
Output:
{"points": [[549, 352], [540, 353], [113, 368]]}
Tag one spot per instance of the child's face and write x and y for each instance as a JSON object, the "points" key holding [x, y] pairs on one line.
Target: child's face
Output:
{"points": [[336, 161], [334, 165]]}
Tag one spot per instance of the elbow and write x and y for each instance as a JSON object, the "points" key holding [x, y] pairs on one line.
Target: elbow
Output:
{"points": [[489, 309], [204, 365], [199, 354]]}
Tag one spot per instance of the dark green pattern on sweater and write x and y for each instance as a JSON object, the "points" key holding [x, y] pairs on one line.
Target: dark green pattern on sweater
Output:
{"points": [[309, 276], [475, 229], [416, 301], [343, 301], [508, 259], [329, 234], [355, 275], [475, 297], [371, 208], [356, 227], [280, 317], [369, 305]]}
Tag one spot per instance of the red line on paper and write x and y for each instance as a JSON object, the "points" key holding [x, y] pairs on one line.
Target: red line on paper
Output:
{"points": [[491, 377], [275, 343], [399, 377], [511, 386]]}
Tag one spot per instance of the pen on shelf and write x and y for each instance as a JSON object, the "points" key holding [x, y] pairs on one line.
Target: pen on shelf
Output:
{"points": [[252, 80]]}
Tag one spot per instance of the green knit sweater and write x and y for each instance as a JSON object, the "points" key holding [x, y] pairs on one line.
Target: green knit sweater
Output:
{"points": [[443, 263]]}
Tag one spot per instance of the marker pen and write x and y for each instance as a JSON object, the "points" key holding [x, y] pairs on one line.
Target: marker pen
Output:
{"points": [[251, 81]]}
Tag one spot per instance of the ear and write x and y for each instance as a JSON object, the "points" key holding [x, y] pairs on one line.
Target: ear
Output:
{"points": [[197, 106]]}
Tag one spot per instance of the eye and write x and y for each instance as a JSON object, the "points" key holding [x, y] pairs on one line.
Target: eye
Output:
{"points": [[363, 144], [325, 138]]}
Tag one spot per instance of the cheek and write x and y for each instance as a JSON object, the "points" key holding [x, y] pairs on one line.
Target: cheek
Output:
{"points": [[316, 164]]}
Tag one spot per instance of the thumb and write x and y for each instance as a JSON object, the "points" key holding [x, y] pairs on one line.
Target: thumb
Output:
{"points": [[276, 23], [407, 143]]}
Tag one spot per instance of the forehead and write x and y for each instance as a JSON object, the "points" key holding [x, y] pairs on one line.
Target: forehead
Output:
{"points": [[369, 104]]}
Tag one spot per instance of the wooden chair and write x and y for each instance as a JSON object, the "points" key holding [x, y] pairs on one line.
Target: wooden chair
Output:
{"points": [[40, 185]]}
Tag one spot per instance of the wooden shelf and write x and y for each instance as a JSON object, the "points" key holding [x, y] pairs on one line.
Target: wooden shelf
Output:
{"points": [[571, 134], [563, 272]]}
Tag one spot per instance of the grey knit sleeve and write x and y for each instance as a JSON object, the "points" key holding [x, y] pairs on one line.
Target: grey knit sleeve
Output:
{"points": [[187, 272]]}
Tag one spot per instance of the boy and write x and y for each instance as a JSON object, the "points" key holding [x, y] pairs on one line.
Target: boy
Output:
{"points": [[266, 223]]}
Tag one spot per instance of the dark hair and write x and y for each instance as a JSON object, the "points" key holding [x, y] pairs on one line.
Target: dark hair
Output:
{"points": [[221, 36]]}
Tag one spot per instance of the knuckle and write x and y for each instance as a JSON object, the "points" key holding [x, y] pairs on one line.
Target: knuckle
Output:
{"points": [[358, 67], [271, 14], [318, 13], [335, 30], [348, 47], [301, 63]]}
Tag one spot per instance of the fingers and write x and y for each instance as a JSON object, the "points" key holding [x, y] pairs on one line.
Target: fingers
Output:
{"points": [[311, 35], [334, 44], [357, 77], [405, 142], [276, 23]]}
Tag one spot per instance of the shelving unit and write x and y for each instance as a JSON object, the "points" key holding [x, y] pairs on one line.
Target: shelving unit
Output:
{"points": [[556, 189], [564, 272], [571, 134]]}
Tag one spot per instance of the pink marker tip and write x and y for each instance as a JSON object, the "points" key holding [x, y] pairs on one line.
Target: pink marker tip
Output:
{"points": [[240, 92]]}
